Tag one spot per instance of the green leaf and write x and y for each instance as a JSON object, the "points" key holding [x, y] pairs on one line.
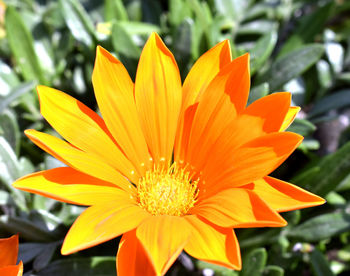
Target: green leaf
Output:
{"points": [[302, 127], [9, 129], [322, 227], [319, 264], [262, 50], [258, 92], [22, 46], [123, 43], [28, 251], [115, 10], [101, 266], [15, 93], [8, 163], [254, 262], [178, 11], [218, 270], [8, 79], [334, 101], [4, 197], [328, 173], [183, 44], [78, 21], [234, 9], [45, 256], [151, 11], [309, 26], [139, 28], [334, 198], [292, 65], [29, 230], [273, 270], [257, 27]]}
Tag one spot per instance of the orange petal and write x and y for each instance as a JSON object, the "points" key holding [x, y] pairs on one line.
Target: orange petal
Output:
{"points": [[71, 186], [158, 97], [225, 96], [289, 118], [283, 196], [238, 208], [100, 223], [241, 130], [162, 240], [197, 80], [114, 92], [213, 244], [251, 161], [272, 109], [8, 251], [77, 159], [132, 259], [12, 270], [204, 71], [82, 127]]}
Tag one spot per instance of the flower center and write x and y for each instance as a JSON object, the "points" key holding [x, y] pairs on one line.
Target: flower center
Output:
{"points": [[167, 191]]}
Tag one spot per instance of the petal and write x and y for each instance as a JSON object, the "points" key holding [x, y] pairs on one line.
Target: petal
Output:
{"points": [[289, 118], [204, 71], [272, 109], [114, 91], [162, 240], [8, 251], [213, 244], [77, 159], [197, 80], [12, 270], [82, 127], [238, 208], [100, 223], [132, 259], [283, 196], [250, 162], [241, 130], [71, 186], [158, 97], [218, 105]]}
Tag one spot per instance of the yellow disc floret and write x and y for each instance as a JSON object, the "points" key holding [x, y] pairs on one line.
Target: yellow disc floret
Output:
{"points": [[167, 191]]}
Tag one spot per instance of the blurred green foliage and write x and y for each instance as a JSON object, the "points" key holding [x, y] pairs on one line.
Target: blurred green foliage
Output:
{"points": [[299, 46]]}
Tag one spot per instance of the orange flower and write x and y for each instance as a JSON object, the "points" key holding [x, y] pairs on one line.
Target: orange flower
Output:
{"points": [[8, 257], [170, 167]]}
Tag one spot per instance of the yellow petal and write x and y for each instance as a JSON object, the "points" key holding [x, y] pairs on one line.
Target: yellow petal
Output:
{"points": [[83, 128], [197, 80], [77, 159], [114, 91], [213, 244], [8, 251], [100, 223], [69, 185], [238, 208], [158, 97], [162, 240], [283, 196], [288, 120], [132, 260]]}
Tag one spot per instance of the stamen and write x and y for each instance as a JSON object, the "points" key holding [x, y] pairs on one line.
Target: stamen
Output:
{"points": [[167, 190]]}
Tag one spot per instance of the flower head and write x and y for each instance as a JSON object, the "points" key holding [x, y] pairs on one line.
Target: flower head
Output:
{"points": [[8, 257], [172, 167]]}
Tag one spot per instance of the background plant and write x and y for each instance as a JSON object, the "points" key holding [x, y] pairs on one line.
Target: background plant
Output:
{"points": [[298, 46]]}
